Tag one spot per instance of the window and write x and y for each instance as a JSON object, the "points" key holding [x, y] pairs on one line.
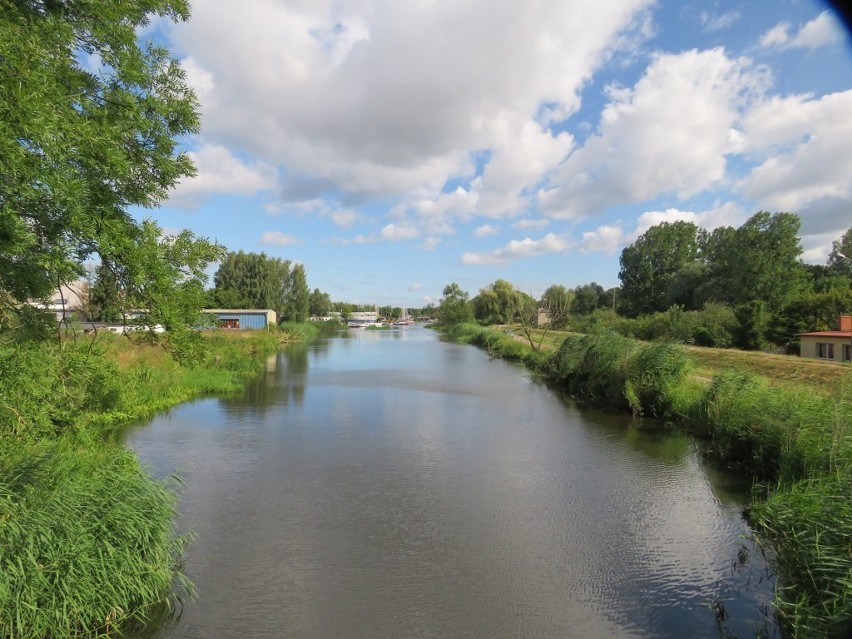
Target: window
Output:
{"points": [[825, 350], [847, 353], [229, 323]]}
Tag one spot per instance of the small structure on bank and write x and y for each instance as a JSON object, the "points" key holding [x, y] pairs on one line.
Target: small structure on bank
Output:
{"points": [[830, 345], [243, 319]]}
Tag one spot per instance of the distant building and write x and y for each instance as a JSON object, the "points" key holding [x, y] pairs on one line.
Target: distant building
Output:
{"points": [[68, 300], [830, 345], [243, 319]]}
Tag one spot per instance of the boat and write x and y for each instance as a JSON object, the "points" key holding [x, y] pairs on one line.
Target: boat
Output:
{"points": [[404, 320]]}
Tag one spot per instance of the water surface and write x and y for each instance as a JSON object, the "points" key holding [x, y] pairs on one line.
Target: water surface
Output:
{"points": [[392, 485]]}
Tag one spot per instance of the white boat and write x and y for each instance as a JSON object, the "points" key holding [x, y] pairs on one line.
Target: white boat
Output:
{"points": [[404, 320]]}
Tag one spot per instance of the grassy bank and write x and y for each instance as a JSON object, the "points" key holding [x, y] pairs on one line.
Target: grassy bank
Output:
{"points": [[87, 546], [791, 429]]}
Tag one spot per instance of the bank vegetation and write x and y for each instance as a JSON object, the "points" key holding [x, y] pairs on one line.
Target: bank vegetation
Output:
{"points": [[794, 437], [87, 540]]}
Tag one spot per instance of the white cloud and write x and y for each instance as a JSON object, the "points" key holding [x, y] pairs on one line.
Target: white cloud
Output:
{"points": [[715, 22], [389, 233], [604, 239], [822, 31], [777, 36], [431, 243], [808, 141], [670, 133], [415, 287], [528, 224], [518, 249], [485, 230], [388, 99], [344, 218], [221, 172], [277, 238]]}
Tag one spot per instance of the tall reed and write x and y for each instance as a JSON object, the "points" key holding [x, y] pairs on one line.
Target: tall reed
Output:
{"points": [[86, 541]]}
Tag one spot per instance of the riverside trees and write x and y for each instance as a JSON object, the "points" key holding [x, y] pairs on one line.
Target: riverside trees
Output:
{"points": [[80, 143]]}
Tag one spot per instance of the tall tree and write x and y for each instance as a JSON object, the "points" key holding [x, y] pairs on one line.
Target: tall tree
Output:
{"points": [[455, 306], [165, 275], [556, 302], [320, 304], [587, 298], [840, 258], [757, 261], [299, 296], [79, 146], [649, 263], [496, 304], [105, 300], [253, 280]]}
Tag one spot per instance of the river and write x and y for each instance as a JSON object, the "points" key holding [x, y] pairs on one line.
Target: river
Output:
{"points": [[390, 484]]}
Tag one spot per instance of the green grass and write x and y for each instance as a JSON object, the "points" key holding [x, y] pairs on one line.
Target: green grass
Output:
{"points": [[87, 541], [87, 547]]}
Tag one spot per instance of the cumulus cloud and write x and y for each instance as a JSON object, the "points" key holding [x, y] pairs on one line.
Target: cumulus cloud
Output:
{"points": [[277, 238], [518, 249], [220, 171], [806, 141], [381, 100], [604, 239], [485, 230], [529, 224], [822, 31], [671, 132], [610, 238], [389, 233]]}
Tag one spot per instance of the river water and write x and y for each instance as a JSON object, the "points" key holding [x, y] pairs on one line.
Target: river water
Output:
{"points": [[389, 484]]}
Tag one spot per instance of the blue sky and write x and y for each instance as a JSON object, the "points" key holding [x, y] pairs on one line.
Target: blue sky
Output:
{"points": [[395, 147]]}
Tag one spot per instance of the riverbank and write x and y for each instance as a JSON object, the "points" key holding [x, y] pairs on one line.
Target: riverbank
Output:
{"points": [[87, 546], [794, 441]]}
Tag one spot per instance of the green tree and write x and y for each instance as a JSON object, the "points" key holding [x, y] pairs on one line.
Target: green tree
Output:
{"points": [[165, 276], [253, 280], [79, 146], [320, 304], [298, 297], [587, 298], [840, 258], [556, 302], [753, 325], [105, 301], [496, 304], [455, 307], [649, 263], [757, 261]]}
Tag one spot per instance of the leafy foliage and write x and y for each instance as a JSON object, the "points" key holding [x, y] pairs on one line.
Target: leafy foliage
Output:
{"points": [[77, 147], [252, 280], [651, 261], [455, 307]]}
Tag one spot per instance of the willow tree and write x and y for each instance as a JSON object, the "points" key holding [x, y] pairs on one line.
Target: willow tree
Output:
{"points": [[89, 123]]}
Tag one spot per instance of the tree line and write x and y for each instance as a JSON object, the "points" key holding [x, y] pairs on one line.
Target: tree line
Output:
{"points": [[745, 286]]}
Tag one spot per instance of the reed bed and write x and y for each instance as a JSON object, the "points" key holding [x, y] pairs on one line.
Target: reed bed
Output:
{"points": [[86, 542]]}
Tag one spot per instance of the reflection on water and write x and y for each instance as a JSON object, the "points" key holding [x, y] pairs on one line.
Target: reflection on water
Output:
{"points": [[392, 485]]}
